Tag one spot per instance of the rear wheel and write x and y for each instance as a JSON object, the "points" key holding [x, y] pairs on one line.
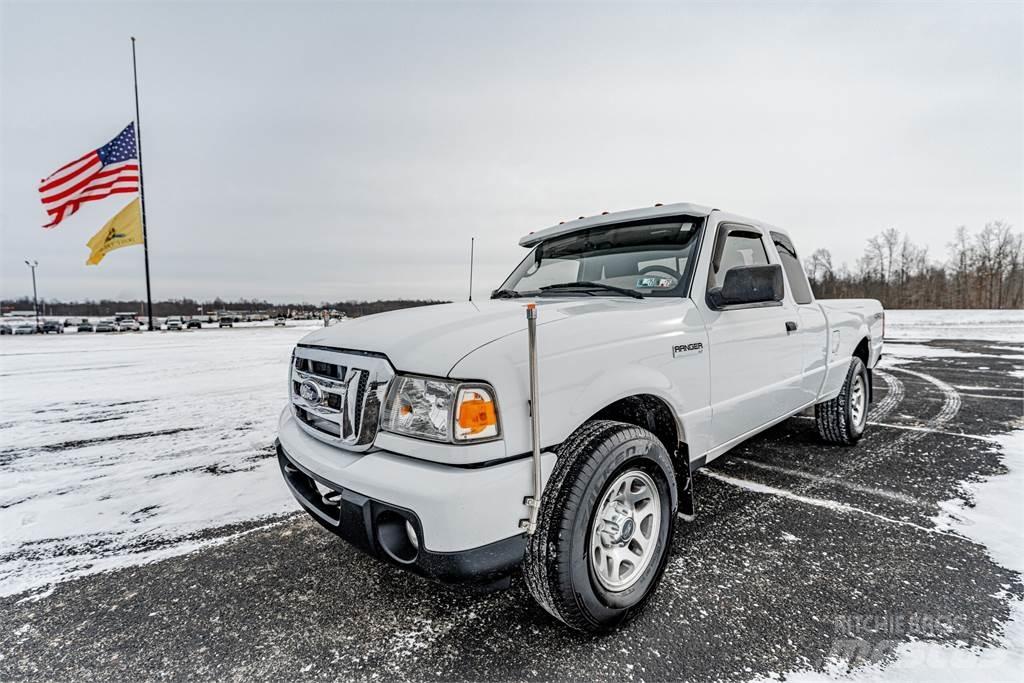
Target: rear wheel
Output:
{"points": [[842, 419], [605, 526]]}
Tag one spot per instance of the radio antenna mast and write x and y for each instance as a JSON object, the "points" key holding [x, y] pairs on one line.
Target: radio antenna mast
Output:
{"points": [[471, 241]]}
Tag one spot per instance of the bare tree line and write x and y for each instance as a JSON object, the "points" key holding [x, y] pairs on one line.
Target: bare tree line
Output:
{"points": [[983, 269]]}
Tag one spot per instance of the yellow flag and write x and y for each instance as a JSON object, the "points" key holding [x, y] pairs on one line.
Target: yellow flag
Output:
{"points": [[123, 230]]}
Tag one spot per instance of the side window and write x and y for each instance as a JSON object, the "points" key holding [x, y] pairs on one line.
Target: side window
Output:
{"points": [[741, 248], [794, 271]]}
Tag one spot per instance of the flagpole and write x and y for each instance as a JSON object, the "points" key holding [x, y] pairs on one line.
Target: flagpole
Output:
{"points": [[142, 193]]}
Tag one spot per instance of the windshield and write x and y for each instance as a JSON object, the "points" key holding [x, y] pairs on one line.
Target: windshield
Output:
{"points": [[651, 257]]}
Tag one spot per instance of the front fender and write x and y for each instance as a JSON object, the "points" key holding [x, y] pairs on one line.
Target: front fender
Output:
{"points": [[585, 367], [617, 383]]}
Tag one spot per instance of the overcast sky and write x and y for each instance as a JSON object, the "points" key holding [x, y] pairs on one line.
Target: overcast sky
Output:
{"points": [[332, 150]]}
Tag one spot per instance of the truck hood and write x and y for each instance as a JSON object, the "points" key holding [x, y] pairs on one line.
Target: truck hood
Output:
{"points": [[431, 339]]}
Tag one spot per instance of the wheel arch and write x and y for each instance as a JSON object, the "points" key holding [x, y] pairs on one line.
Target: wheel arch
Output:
{"points": [[654, 414], [863, 351]]}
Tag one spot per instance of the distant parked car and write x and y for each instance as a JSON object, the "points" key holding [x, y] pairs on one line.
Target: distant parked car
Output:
{"points": [[127, 321], [86, 326], [73, 322], [226, 322], [53, 326], [18, 326], [194, 324], [280, 322], [108, 325], [9, 325], [175, 323]]}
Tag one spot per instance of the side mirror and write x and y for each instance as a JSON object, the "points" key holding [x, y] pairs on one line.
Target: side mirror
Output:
{"points": [[749, 285]]}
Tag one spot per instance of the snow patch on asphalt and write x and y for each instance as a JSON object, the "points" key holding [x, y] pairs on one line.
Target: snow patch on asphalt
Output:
{"points": [[989, 513], [991, 510]]}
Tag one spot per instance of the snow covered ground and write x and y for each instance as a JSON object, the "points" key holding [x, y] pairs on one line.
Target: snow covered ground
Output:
{"points": [[120, 449], [1005, 325]]}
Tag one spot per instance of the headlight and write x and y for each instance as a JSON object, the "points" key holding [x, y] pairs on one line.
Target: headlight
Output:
{"points": [[420, 407], [440, 410]]}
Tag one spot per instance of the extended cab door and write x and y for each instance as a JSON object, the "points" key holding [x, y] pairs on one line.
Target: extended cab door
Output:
{"points": [[813, 326], [755, 360]]}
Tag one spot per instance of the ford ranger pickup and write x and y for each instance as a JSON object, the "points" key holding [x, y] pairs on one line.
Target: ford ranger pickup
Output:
{"points": [[554, 428]]}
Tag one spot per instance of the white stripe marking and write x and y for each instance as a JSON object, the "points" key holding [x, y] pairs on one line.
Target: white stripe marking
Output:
{"points": [[996, 398], [911, 428], [832, 481], [818, 502]]}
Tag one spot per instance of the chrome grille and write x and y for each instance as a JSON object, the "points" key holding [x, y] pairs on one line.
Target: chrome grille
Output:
{"points": [[337, 395]]}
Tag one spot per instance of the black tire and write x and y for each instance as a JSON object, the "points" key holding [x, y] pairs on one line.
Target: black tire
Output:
{"points": [[558, 567], [836, 419]]}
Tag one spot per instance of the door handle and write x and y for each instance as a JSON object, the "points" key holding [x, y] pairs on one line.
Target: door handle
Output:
{"points": [[790, 326]]}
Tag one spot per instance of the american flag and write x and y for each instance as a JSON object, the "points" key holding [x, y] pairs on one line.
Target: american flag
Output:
{"points": [[111, 169]]}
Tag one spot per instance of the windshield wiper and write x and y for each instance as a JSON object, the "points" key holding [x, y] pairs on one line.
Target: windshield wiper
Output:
{"points": [[505, 294], [593, 286]]}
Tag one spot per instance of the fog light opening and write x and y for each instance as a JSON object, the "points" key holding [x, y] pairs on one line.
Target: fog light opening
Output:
{"points": [[397, 537]]}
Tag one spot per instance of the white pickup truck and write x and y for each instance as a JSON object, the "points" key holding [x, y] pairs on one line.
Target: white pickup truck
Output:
{"points": [[555, 427]]}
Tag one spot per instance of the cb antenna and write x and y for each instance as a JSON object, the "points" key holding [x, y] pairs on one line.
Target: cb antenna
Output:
{"points": [[471, 241]]}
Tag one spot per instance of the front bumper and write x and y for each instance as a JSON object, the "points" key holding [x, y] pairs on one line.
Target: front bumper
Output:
{"points": [[466, 519], [375, 527]]}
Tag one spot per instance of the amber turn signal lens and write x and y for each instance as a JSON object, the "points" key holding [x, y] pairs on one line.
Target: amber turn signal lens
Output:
{"points": [[477, 414]]}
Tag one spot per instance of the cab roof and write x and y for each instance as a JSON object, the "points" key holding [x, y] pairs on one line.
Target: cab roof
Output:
{"points": [[657, 211]]}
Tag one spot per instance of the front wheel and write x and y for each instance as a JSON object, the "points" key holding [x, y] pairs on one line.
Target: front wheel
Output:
{"points": [[842, 419], [605, 526]]}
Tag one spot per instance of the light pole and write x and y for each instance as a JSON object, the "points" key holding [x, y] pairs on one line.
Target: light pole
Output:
{"points": [[35, 297]]}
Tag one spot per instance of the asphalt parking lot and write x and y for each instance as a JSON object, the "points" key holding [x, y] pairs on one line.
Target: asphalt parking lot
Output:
{"points": [[796, 546]]}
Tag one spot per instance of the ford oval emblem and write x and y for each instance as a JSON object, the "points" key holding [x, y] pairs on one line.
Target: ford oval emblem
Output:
{"points": [[311, 393]]}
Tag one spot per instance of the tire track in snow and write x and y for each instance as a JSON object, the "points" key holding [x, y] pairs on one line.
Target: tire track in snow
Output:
{"points": [[950, 407], [893, 397]]}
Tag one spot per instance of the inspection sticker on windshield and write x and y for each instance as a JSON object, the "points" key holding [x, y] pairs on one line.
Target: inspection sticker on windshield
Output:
{"points": [[655, 283]]}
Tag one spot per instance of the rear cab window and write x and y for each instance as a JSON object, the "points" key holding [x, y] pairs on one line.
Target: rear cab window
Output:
{"points": [[798, 283]]}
